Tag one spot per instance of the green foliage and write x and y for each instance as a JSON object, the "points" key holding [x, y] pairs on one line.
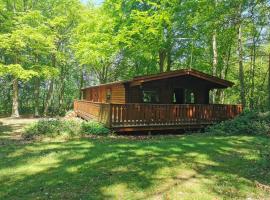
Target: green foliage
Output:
{"points": [[59, 127], [34, 48], [52, 127], [94, 128], [95, 44], [249, 122], [65, 45], [17, 71]]}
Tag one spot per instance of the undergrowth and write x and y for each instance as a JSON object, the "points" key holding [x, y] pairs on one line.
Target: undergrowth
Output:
{"points": [[249, 122], [59, 127]]}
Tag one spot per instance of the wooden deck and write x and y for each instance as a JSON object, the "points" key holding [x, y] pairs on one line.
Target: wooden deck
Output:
{"points": [[137, 116]]}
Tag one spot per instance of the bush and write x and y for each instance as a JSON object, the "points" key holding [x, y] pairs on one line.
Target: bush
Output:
{"points": [[56, 127], [249, 122], [52, 127], [95, 128]]}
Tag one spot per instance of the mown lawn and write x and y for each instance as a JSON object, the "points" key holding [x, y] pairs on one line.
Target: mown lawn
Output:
{"points": [[176, 167]]}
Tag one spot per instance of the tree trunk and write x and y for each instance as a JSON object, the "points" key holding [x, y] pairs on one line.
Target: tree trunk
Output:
{"points": [[169, 60], [50, 91], [49, 98], [252, 89], [81, 84], [36, 96], [223, 75], [269, 82], [162, 57], [241, 67], [61, 90], [15, 99], [215, 62]]}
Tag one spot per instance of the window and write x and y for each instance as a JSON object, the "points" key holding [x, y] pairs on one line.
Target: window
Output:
{"points": [[189, 96], [178, 96], [150, 97], [108, 94]]}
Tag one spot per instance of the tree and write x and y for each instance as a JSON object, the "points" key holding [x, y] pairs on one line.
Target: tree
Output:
{"points": [[146, 26], [34, 34], [50, 49], [94, 43]]}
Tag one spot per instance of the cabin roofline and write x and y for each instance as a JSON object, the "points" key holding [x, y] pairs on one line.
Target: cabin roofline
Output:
{"points": [[182, 72], [106, 84], [138, 80]]}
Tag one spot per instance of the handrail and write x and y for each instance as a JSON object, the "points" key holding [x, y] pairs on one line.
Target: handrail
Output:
{"points": [[144, 114], [154, 103]]}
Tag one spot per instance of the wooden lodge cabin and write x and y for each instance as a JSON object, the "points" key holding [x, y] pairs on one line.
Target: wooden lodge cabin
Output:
{"points": [[170, 100]]}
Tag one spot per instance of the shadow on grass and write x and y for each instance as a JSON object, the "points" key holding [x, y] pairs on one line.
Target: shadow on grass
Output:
{"points": [[97, 168], [11, 130], [5, 128], [9, 133]]}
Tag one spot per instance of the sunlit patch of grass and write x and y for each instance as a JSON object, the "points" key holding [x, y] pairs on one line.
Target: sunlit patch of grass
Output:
{"points": [[189, 167]]}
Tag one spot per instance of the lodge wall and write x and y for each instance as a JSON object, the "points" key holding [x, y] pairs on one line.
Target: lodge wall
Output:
{"points": [[114, 93], [169, 91], [166, 89]]}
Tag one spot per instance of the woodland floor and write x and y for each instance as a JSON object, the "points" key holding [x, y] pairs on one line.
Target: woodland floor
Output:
{"points": [[175, 167]]}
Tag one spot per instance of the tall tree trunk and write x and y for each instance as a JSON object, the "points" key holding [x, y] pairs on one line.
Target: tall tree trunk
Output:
{"points": [[36, 96], [49, 98], [61, 90], [50, 90], [252, 89], [215, 62], [15, 99], [162, 57], [169, 60], [241, 67], [103, 76], [81, 84], [223, 75], [269, 82]]}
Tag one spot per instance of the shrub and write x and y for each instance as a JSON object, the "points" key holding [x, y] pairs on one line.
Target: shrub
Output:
{"points": [[55, 127], [249, 122], [95, 128]]}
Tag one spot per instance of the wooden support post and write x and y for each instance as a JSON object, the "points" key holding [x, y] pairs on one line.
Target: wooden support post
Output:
{"points": [[110, 116]]}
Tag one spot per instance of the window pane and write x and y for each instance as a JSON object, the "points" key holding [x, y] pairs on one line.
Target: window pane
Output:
{"points": [[150, 97]]}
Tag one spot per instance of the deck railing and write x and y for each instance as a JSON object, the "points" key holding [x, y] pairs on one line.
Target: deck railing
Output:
{"points": [[90, 110], [152, 115]]}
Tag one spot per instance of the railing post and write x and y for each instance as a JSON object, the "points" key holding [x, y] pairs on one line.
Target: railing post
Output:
{"points": [[75, 106], [135, 115], [110, 116]]}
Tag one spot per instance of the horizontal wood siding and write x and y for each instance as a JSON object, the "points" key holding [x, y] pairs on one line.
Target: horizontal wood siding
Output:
{"points": [[118, 94], [99, 94]]}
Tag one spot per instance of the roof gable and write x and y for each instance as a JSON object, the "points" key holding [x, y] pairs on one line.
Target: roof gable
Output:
{"points": [[218, 82], [183, 72]]}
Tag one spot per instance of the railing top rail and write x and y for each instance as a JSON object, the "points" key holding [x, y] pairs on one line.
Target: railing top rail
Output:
{"points": [[85, 101], [156, 104]]}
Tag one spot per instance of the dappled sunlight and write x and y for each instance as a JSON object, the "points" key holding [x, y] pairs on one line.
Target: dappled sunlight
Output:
{"points": [[207, 166], [29, 168]]}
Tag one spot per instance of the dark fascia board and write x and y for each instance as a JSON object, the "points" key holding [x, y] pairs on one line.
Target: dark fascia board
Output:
{"points": [[221, 82], [182, 72], [106, 84]]}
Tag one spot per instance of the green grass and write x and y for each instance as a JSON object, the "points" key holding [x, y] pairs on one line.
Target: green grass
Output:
{"points": [[175, 167]]}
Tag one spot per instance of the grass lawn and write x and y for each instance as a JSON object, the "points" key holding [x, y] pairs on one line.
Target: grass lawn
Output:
{"points": [[175, 167]]}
